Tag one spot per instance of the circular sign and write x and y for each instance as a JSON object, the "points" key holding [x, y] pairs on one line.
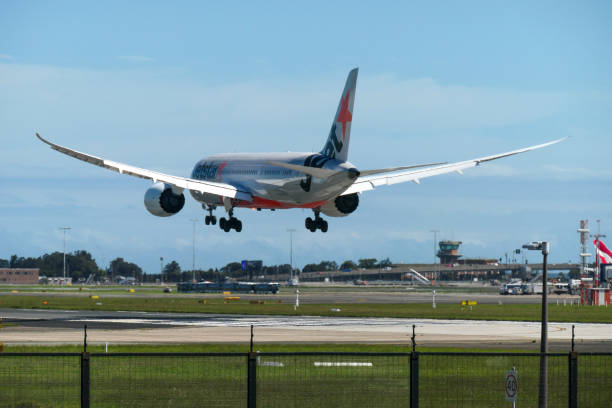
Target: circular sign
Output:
{"points": [[511, 385]]}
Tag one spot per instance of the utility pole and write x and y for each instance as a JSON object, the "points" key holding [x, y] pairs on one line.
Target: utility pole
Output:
{"points": [[193, 220], [291, 231], [64, 229]]}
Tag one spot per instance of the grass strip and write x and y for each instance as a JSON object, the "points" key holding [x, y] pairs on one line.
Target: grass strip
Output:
{"points": [[507, 312]]}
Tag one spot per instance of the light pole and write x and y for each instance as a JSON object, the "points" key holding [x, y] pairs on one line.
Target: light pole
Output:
{"points": [[543, 384], [291, 231], [161, 269], [193, 220], [435, 232], [64, 229]]}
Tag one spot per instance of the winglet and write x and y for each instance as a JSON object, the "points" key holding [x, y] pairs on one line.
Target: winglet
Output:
{"points": [[41, 138], [512, 153]]}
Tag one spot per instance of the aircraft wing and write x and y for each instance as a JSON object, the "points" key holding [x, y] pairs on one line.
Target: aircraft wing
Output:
{"points": [[372, 181], [221, 189]]}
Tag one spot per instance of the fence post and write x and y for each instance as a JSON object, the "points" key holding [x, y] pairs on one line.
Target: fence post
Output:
{"points": [[573, 379], [84, 380], [252, 381], [414, 379]]}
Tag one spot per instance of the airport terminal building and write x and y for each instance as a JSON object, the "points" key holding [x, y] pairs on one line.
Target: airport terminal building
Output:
{"points": [[22, 276]]}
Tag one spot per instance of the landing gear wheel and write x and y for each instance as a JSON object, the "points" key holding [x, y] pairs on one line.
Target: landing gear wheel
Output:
{"points": [[210, 219], [323, 225], [235, 223], [317, 223], [310, 224], [225, 224]]}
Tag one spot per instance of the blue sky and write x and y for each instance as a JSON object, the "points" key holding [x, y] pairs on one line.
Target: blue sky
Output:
{"points": [[162, 86]]}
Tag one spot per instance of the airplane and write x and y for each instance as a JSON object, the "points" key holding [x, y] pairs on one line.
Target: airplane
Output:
{"points": [[324, 181]]}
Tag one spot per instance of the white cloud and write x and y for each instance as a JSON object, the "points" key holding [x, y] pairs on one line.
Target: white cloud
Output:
{"points": [[425, 104], [577, 173], [254, 113], [6, 57], [136, 58]]}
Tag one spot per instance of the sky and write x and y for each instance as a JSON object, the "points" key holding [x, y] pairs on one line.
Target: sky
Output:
{"points": [[161, 86]]}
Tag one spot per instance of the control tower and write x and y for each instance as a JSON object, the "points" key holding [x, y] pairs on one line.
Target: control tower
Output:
{"points": [[448, 252]]}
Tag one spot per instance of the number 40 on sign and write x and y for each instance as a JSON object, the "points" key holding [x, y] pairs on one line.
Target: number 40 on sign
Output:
{"points": [[511, 388]]}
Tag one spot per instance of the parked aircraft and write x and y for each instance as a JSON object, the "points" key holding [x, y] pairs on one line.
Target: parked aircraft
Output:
{"points": [[324, 181]]}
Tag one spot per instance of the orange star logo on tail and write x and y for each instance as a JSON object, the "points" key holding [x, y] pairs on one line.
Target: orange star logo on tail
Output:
{"points": [[345, 116]]}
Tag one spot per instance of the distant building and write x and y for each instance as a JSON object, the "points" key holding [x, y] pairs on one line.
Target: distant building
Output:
{"points": [[478, 261], [22, 276], [55, 280], [448, 252]]}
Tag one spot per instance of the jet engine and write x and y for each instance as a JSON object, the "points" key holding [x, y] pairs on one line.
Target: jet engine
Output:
{"points": [[341, 206], [161, 201]]}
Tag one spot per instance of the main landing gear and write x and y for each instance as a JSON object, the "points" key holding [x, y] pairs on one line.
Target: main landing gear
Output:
{"points": [[232, 223], [317, 223], [225, 224]]}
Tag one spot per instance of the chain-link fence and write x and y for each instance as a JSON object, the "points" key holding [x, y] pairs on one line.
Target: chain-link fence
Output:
{"points": [[168, 380], [333, 380], [594, 380], [36, 380], [478, 379], [32, 380]]}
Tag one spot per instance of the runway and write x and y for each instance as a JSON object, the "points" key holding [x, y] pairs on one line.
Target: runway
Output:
{"points": [[55, 326]]}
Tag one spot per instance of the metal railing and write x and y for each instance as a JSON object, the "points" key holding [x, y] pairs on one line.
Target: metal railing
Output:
{"points": [[417, 379]]}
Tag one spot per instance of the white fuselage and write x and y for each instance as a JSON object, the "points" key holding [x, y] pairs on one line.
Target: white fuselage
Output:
{"points": [[273, 186]]}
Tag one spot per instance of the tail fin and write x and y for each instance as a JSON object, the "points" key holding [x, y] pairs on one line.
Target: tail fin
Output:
{"points": [[337, 143]]}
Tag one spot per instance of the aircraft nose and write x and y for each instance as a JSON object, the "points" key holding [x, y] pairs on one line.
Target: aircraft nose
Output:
{"points": [[353, 173]]}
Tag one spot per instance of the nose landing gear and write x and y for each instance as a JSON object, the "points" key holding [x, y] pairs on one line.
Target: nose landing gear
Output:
{"points": [[210, 219]]}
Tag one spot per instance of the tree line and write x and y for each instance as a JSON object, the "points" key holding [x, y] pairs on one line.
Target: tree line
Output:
{"points": [[80, 265]]}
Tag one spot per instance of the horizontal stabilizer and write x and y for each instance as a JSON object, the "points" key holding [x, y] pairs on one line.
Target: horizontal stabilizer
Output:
{"points": [[310, 171], [391, 169]]}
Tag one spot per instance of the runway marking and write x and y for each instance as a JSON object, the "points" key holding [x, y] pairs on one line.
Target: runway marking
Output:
{"points": [[488, 328]]}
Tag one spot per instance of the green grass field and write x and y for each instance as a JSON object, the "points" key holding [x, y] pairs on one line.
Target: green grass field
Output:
{"points": [[445, 380], [517, 312], [241, 348]]}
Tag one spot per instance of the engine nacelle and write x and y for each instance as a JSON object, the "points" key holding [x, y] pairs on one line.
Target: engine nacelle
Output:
{"points": [[341, 206], [161, 201]]}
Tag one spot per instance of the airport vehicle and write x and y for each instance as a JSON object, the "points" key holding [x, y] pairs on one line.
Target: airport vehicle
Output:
{"points": [[561, 288], [511, 288], [324, 181]]}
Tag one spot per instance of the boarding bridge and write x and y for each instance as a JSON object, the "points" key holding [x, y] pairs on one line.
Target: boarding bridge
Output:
{"points": [[420, 278]]}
